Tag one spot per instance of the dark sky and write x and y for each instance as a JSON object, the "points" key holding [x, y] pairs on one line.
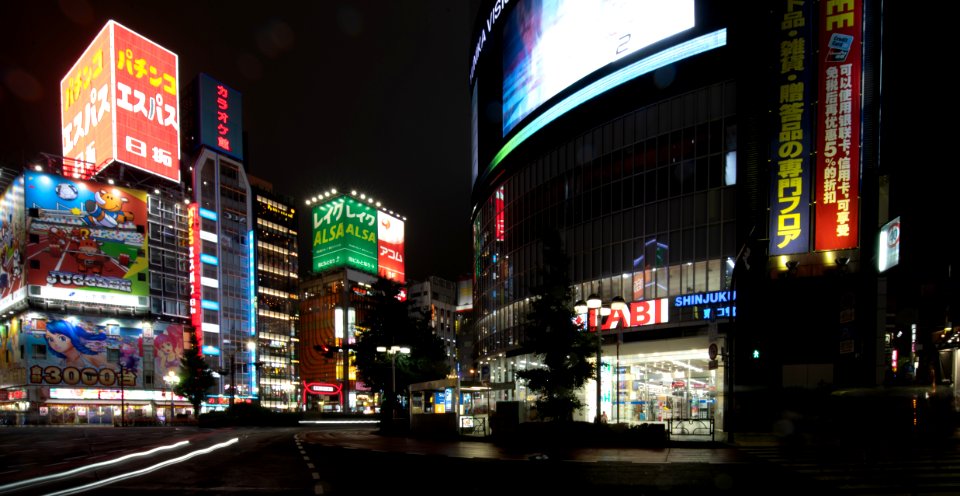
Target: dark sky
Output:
{"points": [[370, 95]]}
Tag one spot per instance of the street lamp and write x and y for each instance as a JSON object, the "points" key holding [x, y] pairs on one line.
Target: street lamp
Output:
{"points": [[392, 351], [617, 304], [172, 380]]}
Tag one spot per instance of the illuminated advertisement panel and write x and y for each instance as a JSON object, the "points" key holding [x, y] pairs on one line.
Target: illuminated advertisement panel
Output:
{"points": [[193, 251], [500, 229], [792, 118], [390, 238], [639, 313], [548, 46], [221, 117], [13, 236], [888, 253], [83, 352], [464, 295], [86, 107], [86, 241], [345, 234], [838, 135], [119, 103]]}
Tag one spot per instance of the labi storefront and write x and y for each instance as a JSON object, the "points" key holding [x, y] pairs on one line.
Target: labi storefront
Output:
{"points": [[64, 370]]}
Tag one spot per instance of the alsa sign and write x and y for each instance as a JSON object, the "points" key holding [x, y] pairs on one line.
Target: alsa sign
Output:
{"points": [[639, 313]]}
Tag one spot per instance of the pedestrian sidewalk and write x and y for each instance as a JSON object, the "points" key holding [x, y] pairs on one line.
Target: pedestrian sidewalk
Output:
{"points": [[671, 453]]}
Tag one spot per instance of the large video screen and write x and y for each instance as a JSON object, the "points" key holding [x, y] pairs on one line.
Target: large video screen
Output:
{"points": [[119, 102], [549, 45], [86, 241]]}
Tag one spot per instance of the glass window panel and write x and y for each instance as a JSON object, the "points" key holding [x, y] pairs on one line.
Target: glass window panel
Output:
{"points": [[700, 277], [713, 275]]}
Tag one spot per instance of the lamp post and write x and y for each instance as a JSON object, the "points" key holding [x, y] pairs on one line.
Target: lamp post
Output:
{"points": [[172, 380], [592, 307], [618, 304], [123, 406], [392, 351]]}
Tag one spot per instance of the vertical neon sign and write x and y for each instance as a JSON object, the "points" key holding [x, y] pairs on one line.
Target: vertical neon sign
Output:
{"points": [[252, 293], [193, 243]]}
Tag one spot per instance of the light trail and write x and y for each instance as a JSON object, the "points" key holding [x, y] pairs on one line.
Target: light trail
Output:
{"points": [[52, 477], [152, 468]]}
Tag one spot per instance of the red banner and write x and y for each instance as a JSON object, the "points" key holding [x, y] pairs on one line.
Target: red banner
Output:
{"points": [[838, 134], [390, 237]]}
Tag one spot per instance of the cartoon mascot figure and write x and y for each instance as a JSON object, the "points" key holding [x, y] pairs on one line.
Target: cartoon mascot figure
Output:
{"points": [[106, 211]]}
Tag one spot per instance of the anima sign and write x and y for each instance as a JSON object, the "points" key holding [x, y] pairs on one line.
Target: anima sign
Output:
{"points": [[86, 241]]}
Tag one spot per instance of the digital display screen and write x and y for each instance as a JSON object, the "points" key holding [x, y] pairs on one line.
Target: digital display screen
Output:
{"points": [[549, 45]]}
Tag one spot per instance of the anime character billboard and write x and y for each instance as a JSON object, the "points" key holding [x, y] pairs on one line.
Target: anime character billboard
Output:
{"points": [[167, 349], [86, 240], [73, 352], [12, 238]]}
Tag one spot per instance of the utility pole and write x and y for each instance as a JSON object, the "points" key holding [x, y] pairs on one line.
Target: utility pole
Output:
{"points": [[345, 342], [123, 406]]}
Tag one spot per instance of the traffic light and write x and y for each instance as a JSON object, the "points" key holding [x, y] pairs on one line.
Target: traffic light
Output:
{"points": [[327, 350], [756, 354]]}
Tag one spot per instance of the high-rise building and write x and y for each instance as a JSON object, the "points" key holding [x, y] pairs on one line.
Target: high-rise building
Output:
{"points": [[278, 300], [355, 241], [717, 169], [435, 300]]}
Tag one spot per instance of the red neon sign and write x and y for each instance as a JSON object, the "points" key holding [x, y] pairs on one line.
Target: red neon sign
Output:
{"points": [[640, 313], [193, 243], [322, 388]]}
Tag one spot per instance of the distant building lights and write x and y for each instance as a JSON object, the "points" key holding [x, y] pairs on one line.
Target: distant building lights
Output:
{"points": [[156, 191], [38, 168], [109, 181], [186, 201]]}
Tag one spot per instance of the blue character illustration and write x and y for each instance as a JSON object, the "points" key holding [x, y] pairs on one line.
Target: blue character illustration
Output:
{"points": [[75, 346]]}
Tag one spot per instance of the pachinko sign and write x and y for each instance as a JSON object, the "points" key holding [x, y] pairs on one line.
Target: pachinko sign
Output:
{"points": [[86, 241], [193, 261], [119, 103], [390, 244], [838, 136]]}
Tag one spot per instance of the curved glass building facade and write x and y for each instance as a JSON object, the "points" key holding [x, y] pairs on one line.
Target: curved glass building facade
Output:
{"points": [[634, 162]]}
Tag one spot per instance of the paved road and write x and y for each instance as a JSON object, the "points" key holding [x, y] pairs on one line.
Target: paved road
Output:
{"points": [[356, 460]]}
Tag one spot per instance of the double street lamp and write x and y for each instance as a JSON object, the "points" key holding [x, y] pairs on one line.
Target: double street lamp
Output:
{"points": [[392, 351], [595, 310], [172, 380]]}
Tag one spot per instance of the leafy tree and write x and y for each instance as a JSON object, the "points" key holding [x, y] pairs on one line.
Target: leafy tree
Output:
{"points": [[196, 377], [552, 335], [387, 323]]}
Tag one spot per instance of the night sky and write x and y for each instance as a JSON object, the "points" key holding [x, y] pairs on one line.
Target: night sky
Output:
{"points": [[367, 95]]}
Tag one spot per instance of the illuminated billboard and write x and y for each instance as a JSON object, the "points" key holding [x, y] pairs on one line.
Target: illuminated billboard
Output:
{"points": [[792, 120], [345, 234], [464, 295], [86, 241], [85, 352], [119, 103], [13, 236], [390, 247], [195, 269], [220, 117], [548, 46], [888, 253], [838, 126]]}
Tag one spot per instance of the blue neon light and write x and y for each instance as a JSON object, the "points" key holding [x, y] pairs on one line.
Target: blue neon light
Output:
{"points": [[647, 65], [208, 259], [208, 214], [211, 350], [209, 305], [252, 293]]}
